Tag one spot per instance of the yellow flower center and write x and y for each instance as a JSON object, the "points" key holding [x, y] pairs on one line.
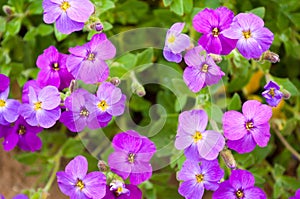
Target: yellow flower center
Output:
{"points": [[37, 106], [21, 130], [249, 125], [239, 194], [119, 190], [65, 6], [91, 57], [171, 39], [199, 178], [215, 32], [197, 136], [102, 105], [80, 184], [131, 157], [84, 112], [2, 103], [272, 92], [247, 34], [204, 68], [55, 66]]}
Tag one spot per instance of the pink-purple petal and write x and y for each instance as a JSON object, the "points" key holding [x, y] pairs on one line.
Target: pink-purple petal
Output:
{"points": [[94, 185], [66, 25], [261, 134], [210, 145], [234, 125], [78, 12], [51, 11], [77, 168], [50, 97], [244, 145], [47, 118], [241, 179]]}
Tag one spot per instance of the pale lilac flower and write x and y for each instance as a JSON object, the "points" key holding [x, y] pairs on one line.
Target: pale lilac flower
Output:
{"points": [[201, 71], [199, 176], [240, 185], [119, 190], [193, 137], [43, 108], [31, 83], [8, 108], [244, 131], [131, 157], [87, 62], [4, 82], [212, 23], [76, 183], [272, 93], [68, 15], [253, 37], [175, 43], [297, 195]]}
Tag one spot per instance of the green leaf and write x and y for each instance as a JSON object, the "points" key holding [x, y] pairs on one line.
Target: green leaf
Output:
{"points": [[260, 11], [27, 158], [177, 7], [188, 6], [2, 24], [35, 7], [104, 5], [277, 189], [235, 102], [107, 26], [59, 36], [44, 29], [285, 83], [167, 2], [144, 57], [72, 148], [278, 170], [30, 35], [13, 27], [290, 182]]}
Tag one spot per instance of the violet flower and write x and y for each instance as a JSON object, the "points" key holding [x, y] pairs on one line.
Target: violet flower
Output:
{"points": [[199, 176], [76, 183], [272, 93], [68, 15], [212, 23], [297, 195], [131, 157], [4, 82], [119, 190], [19, 196], [244, 131], [240, 185], [8, 108], [175, 43], [201, 71], [87, 62], [43, 108], [253, 37], [53, 69], [194, 139]]}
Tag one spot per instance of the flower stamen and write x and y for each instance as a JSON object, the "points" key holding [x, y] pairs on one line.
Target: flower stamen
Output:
{"points": [[247, 34], [21, 130], [55, 66], [65, 6], [199, 178], [171, 39], [80, 184], [215, 32], [204, 68], [2, 103], [84, 112], [249, 125], [37, 106], [91, 57], [272, 92], [131, 157], [102, 105], [239, 194], [197, 136]]}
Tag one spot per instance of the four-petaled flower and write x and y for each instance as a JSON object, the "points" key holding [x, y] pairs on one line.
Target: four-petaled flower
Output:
{"points": [[119, 190], [244, 131], [272, 93]]}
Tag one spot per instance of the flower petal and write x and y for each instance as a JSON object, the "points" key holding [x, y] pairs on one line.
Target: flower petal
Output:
{"points": [[10, 141], [52, 11], [11, 113], [261, 134], [66, 183], [234, 125], [172, 57], [141, 171], [66, 25], [244, 145], [210, 145], [95, 185], [77, 168], [50, 97], [118, 162], [255, 192], [225, 190], [194, 78], [79, 13], [127, 142], [241, 179], [47, 118]]}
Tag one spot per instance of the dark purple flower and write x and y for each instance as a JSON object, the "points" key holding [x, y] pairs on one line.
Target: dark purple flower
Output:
{"points": [[4, 82], [175, 43], [212, 23], [199, 176], [119, 190], [81, 111], [68, 15], [297, 195], [76, 183], [131, 157], [240, 185], [253, 37], [87, 62], [8, 108], [201, 71], [53, 69], [272, 93], [43, 108], [194, 139], [22, 134], [244, 131], [31, 83]]}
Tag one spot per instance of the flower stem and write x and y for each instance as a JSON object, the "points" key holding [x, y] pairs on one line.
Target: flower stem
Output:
{"points": [[54, 171]]}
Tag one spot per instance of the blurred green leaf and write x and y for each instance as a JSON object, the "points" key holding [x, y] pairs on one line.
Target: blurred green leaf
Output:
{"points": [[14, 26], [278, 170], [35, 7], [72, 148], [167, 2], [44, 29], [235, 102], [285, 83], [27, 158], [177, 7], [59, 36], [144, 57], [260, 11]]}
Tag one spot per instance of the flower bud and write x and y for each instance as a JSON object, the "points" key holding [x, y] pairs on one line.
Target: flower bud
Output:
{"points": [[98, 26], [228, 158], [72, 86], [102, 166], [217, 58], [271, 57], [286, 94], [7, 10], [115, 81]]}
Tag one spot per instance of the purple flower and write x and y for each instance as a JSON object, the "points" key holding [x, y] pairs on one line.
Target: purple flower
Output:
{"points": [[199, 176], [4, 82], [244, 131], [87, 62], [297, 195], [31, 83], [201, 71], [19, 196], [68, 15], [194, 139], [8, 108], [109, 102], [119, 190], [175, 43], [43, 108], [253, 38], [212, 23], [22, 134], [53, 69], [240, 185], [131, 157], [76, 183], [272, 93]]}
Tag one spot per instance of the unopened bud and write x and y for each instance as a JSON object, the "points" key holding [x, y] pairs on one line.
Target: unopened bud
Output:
{"points": [[286, 94], [102, 166], [138, 89], [72, 86], [115, 81], [7, 10], [98, 26], [216, 58], [228, 158], [271, 57]]}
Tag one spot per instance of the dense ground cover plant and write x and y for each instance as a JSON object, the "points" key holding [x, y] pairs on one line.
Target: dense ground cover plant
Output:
{"points": [[219, 80]]}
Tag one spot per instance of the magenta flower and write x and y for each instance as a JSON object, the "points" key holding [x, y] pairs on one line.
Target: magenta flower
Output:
{"points": [[8, 108], [131, 157], [4, 83], [31, 83], [244, 131], [239, 185], [194, 139], [197, 177], [212, 23], [201, 71], [253, 37], [68, 15], [76, 183], [119, 190], [43, 108], [22, 134], [297, 195], [272, 93], [87, 62], [53, 69], [175, 43]]}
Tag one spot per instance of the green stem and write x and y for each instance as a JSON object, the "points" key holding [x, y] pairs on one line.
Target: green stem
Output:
{"points": [[54, 171]]}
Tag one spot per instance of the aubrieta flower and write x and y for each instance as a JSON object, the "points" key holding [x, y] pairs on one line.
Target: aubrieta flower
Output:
{"points": [[194, 139], [119, 190], [76, 183], [43, 108], [253, 37], [175, 43], [240, 185], [297, 195], [31, 83], [4, 82], [244, 131], [131, 157], [272, 93], [199, 176], [22, 134], [201, 71], [87, 62], [19, 196], [68, 15], [211, 23], [53, 69]]}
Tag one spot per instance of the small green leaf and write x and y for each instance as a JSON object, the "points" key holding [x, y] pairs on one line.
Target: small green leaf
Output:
{"points": [[235, 102], [44, 29], [27, 158], [167, 2], [13, 27], [278, 170], [59, 36], [107, 26], [145, 57], [177, 7], [35, 7], [260, 11], [72, 148], [277, 189], [2, 24]]}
